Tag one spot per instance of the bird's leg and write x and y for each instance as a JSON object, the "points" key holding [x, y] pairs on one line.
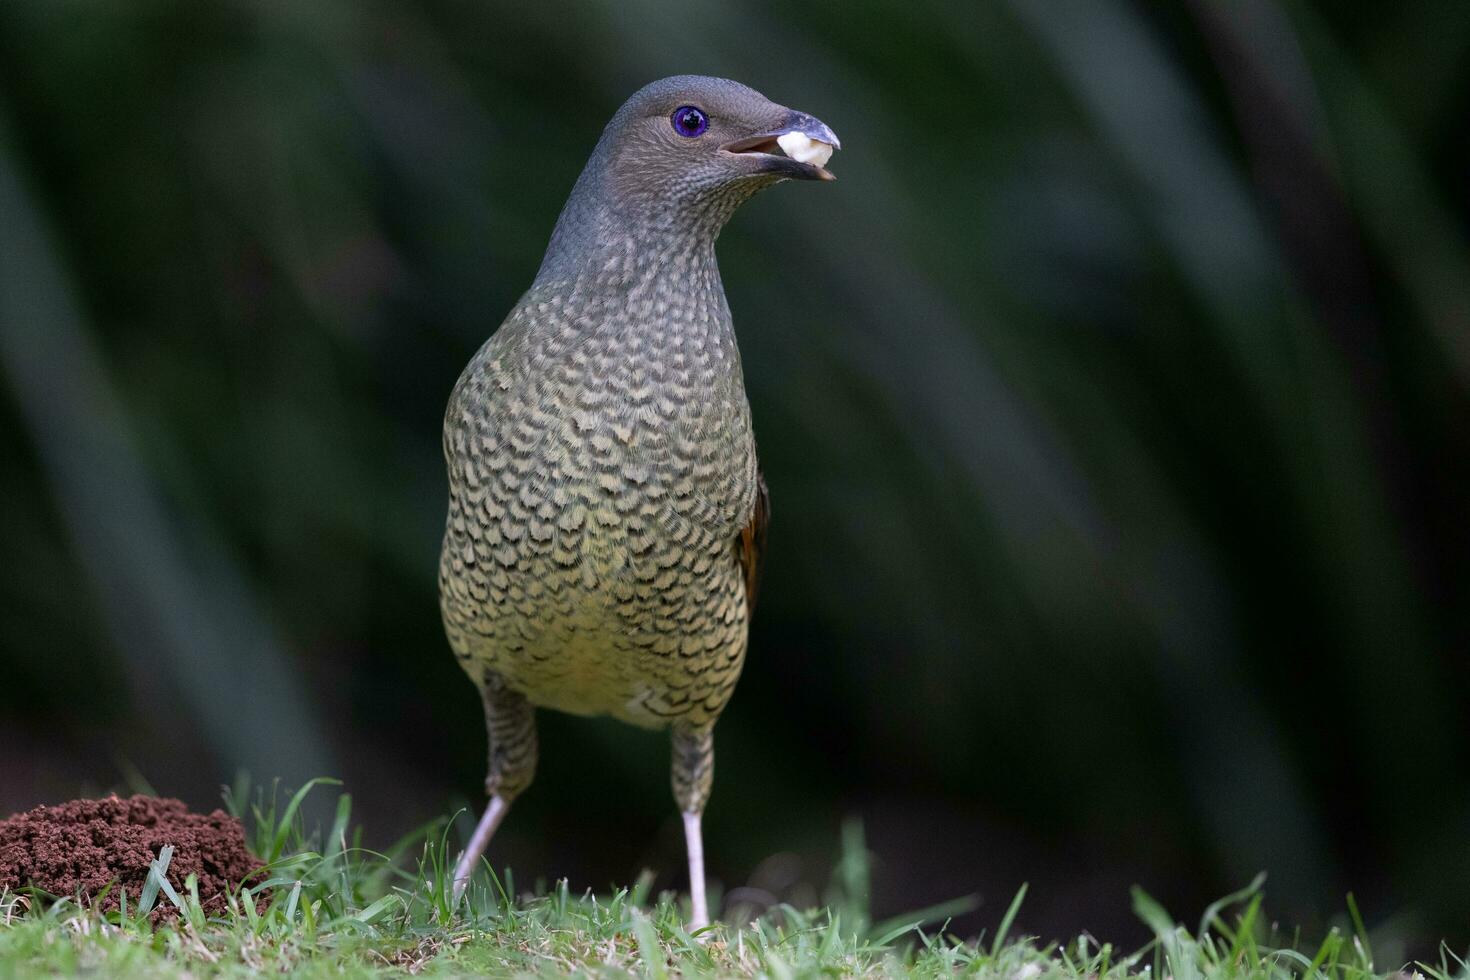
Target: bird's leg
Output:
{"points": [[479, 840], [693, 772], [511, 722], [694, 841]]}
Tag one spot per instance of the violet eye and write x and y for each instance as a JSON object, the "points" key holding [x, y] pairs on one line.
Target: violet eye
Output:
{"points": [[690, 121]]}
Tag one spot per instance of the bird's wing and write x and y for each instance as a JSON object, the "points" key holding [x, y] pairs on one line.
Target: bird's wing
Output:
{"points": [[752, 544]]}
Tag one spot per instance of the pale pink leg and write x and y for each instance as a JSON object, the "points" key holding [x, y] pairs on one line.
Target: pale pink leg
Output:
{"points": [[694, 840], [494, 813]]}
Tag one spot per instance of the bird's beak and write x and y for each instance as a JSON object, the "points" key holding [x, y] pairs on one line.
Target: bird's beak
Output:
{"points": [[800, 147]]}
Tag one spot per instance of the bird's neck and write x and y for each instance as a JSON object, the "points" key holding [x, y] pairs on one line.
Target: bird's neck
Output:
{"points": [[623, 255], [637, 232], [639, 285], [645, 290], [647, 283]]}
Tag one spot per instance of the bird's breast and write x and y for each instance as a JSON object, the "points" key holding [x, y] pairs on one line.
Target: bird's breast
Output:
{"points": [[598, 482]]}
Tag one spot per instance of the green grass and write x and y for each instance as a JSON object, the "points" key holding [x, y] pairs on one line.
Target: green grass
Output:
{"points": [[328, 907]]}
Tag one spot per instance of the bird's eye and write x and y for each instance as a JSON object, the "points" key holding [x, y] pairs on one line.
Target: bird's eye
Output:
{"points": [[690, 121]]}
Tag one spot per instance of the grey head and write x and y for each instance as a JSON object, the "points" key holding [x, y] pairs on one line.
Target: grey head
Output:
{"points": [[676, 161]]}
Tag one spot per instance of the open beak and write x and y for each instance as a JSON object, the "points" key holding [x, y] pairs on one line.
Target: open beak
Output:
{"points": [[800, 147]]}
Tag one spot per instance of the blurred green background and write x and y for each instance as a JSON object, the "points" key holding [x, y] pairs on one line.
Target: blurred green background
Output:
{"points": [[1115, 405]]}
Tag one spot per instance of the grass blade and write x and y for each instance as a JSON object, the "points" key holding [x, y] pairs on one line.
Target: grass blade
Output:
{"points": [[288, 818], [1008, 920]]}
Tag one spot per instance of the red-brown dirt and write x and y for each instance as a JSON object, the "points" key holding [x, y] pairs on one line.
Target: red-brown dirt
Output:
{"points": [[79, 847]]}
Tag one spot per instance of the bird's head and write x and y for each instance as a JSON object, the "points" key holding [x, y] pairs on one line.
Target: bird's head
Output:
{"points": [[690, 136], [681, 155]]}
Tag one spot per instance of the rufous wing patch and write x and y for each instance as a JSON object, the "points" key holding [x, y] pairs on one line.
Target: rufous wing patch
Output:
{"points": [[752, 543]]}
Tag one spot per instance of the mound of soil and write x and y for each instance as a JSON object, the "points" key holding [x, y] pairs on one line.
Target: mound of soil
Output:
{"points": [[79, 847]]}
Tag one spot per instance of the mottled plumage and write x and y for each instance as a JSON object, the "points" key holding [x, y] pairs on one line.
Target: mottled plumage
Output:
{"points": [[606, 508]]}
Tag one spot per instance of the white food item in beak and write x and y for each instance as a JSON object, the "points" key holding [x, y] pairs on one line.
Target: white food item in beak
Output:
{"points": [[804, 149]]}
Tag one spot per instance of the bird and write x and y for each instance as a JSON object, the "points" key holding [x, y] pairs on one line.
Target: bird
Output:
{"points": [[607, 513]]}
